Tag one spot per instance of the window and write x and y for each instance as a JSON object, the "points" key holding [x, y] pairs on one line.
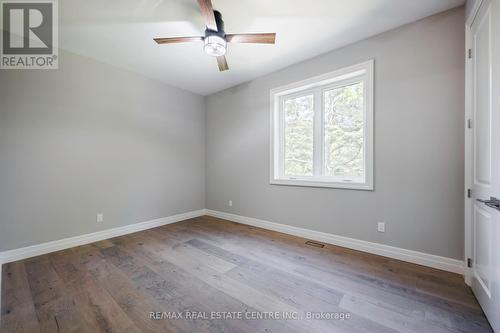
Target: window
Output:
{"points": [[322, 130]]}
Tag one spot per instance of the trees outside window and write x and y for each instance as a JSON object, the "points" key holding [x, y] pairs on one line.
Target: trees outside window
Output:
{"points": [[322, 130]]}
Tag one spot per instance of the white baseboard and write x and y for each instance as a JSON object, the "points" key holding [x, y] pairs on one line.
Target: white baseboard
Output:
{"points": [[61, 244], [425, 259], [443, 263]]}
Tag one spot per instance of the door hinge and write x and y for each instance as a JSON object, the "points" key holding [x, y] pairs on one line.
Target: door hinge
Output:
{"points": [[469, 123], [469, 193], [469, 53], [469, 262]]}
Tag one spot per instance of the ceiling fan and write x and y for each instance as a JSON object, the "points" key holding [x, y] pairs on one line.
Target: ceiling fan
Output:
{"points": [[215, 38]]}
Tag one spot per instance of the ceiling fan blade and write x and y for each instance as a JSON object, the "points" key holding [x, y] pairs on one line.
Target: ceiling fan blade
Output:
{"points": [[266, 38], [172, 40], [221, 61], [208, 14]]}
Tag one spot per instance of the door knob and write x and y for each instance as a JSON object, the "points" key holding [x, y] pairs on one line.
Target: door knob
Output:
{"points": [[492, 202]]}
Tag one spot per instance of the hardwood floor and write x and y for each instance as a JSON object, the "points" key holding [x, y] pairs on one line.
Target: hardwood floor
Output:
{"points": [[207, 267]]}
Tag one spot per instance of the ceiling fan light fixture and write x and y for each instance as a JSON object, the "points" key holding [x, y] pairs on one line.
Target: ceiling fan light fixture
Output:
{"points": [[215, 46], [215, 38]]}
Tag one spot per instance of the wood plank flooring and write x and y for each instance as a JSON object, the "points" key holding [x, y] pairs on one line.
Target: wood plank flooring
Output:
{"points": [[211, 275]]}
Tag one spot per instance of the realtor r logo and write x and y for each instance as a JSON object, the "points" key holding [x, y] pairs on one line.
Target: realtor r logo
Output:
{"points": [[29, 34]]}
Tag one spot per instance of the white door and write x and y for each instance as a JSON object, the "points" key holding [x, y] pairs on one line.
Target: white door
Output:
{"points": [[486, 168]]}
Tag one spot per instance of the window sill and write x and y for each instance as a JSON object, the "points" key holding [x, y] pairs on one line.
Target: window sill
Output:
{"points": [[310, 183]]}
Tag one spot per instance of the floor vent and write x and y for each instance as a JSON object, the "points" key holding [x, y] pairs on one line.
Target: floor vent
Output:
{"points": [[315, 244]]}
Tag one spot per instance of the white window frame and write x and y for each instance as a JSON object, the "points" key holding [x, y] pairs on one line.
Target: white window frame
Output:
{"points": [[362, 72]]}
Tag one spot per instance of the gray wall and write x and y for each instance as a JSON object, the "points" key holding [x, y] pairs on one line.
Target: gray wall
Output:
{"points": [[419, 143], [90, 138]]}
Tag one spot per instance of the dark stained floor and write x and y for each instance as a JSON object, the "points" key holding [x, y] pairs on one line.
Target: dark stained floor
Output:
{"points": [[200, 270]]}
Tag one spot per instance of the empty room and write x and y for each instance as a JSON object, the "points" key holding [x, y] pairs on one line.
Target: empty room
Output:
{"points": [[253, 166]]}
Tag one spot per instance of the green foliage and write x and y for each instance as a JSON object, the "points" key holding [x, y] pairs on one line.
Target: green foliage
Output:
{"points": [[343, 130], [299, 119]]}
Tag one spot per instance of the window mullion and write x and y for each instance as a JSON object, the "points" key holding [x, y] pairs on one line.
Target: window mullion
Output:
{"points": [[318, 133]]}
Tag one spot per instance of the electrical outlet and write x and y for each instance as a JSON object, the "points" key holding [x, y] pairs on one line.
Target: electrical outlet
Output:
{"points": [[230, 203], [381, 226], [100, 218]]}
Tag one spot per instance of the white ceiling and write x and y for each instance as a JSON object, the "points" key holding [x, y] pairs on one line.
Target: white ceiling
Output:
{"points": [[120, 32]]}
